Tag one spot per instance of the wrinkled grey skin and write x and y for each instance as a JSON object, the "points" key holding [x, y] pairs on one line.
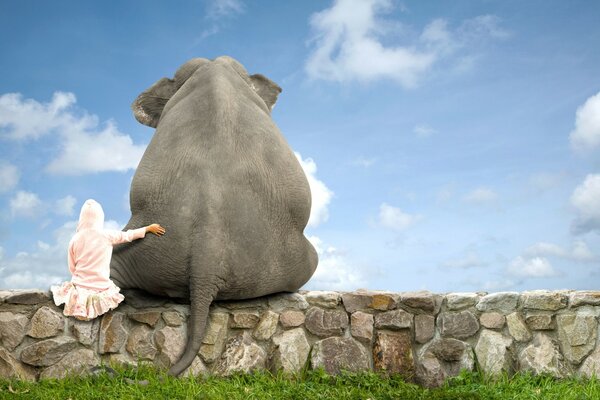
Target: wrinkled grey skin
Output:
{"points": [[222, 180]]}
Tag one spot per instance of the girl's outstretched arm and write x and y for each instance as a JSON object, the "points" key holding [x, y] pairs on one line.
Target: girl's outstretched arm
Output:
{"points": [[116, 237]]}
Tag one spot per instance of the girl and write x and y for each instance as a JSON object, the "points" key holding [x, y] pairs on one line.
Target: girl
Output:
{"points": [[90, 292]]}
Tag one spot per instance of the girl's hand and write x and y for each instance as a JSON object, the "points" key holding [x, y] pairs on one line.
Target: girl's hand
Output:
{"points": [[156, 229]]}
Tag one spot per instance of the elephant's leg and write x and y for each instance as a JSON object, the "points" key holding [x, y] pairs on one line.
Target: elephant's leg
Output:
{"points": [[203, 291]]}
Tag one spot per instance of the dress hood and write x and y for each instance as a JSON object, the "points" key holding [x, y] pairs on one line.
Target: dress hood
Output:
{"points": [[91, 216]]}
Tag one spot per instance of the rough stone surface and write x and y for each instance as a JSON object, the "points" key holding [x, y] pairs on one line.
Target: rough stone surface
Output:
{"points": [[460, 301], [291, 318], [384, 301], [323, 299], [241, 354], [85, 332], [196, 368], [10, 367], [28, 296], [112, 333], [76, 363], [48, 351], [256, 304], [140, 342], [292, 350], [394, 320], [577, 335], [173, 318], [494, 352], [544, 300], [542, 356], [459, 325], [244, 319], [357, 301], [361, 326], [267, 326], [149, 318], [492, 320], [335, 354], [392, 353], [46, 323], [214, 339], [170, 342], [421, 300], [326, 322], [591, 365], [584, 298], [284, 301], [503, 302], [430, 372], [540, 322], [12, 329], [448, 349], [517, 328], [424, 328]]}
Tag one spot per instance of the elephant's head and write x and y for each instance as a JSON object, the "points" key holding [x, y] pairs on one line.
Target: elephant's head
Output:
{"points": [[149, 105]]}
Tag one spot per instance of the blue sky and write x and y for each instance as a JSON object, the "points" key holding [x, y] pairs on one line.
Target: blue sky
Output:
{"points": [[450, 146]]}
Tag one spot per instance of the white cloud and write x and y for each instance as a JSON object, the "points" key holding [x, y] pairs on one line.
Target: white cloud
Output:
{"points": [[65, 206], [86, 146], [26, 204], [586, 201], [579, 251], [216, 12], [424, 130], [321, 194], [349, 43], [481, 195], [536, 267], [394, 218], [334, 271], [586, 135], [470, 260], [9, 177]]}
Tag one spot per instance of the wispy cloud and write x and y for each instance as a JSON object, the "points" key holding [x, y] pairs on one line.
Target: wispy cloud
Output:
{"points": [[219, 11], [481, 195], [394, 218], [579, 251], [535, 267], [424, 130], [85, 145], [470, 260], [586, 201], [26, 204], [363, 161], [9, 177], [586, 135], [349, 43]]}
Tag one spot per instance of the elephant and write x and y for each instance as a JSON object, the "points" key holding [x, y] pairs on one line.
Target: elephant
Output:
{"points": [[219, 176]]}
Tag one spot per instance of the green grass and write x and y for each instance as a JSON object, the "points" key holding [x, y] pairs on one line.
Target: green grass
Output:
{"points": [[306, 385]]}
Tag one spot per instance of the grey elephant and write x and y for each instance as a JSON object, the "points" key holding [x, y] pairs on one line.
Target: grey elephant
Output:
{"points": [[222, 180]]}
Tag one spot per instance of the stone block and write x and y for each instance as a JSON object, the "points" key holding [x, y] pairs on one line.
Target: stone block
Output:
{"points": [[543, 300], [12, 329], [286, 301], [336, 354], [517, 328], [540, 322], [170, 342], [214, 339], [46, 323], [361, 326], [392, 353], [577, 335], [424, 328], [393, 320], [357, 301], [85, 332], [494, 352], [76, 363], [430, 372], [591, 366], [28, 296], [241, 354], [459, 325], [448, 349], [323, 299], [492, 320], [584, 298], [292, 350], [148, 317], [542, 356], [112, 333], [503, 302], [266, 326], [48, 351], [242, 319], [460, 301], [173, 318], [196, 368], [422, 300], [326, 322], [140, 343], [11, 368], [291, 318]]}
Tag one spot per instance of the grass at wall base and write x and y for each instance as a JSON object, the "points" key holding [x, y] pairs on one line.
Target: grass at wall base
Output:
{"points": [[147, 382]]}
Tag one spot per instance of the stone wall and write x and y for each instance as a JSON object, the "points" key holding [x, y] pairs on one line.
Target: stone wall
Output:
{"points": [[424, 336]]}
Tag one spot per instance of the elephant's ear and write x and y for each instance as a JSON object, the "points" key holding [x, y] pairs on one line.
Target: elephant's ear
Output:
{"points": [[266, 89], [149, 105]]}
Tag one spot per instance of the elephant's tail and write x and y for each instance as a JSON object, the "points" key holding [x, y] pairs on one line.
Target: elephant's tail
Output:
{"points": [[200, 300]]}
